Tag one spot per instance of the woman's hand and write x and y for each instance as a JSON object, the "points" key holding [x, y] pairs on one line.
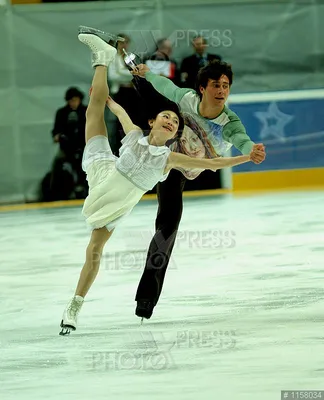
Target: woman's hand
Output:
{"points": [[113, 106], [258, 154]]}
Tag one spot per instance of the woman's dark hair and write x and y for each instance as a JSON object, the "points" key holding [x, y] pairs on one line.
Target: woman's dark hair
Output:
{"points": [[73, 92], [214, 70], [169, 106]]}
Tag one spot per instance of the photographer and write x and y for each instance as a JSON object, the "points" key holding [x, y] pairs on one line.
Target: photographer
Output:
{"points": [[67, 178]]}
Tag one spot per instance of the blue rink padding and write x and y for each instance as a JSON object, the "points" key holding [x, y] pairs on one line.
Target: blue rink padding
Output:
{"points": [[292, 131]]}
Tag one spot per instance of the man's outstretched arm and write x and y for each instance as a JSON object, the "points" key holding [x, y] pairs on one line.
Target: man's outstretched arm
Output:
{"points": [[161, 84], [235, 133]]}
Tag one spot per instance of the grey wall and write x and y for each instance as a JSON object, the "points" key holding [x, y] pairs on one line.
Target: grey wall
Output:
{"points": [[273, 45]]}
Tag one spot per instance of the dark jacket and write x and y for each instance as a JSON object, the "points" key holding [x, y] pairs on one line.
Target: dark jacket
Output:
{"points": [[70, 125], [191, 66]]}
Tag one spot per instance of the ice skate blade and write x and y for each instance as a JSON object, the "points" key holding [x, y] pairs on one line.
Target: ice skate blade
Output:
{"points": [[107, 35], [65, 332], [66, 329]]}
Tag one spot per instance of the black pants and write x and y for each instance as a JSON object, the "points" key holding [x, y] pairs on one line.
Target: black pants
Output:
{"points": [[166, 227]]}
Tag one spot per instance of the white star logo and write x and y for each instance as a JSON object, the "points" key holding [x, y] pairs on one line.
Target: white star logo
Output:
{"points": [[273, 122]]}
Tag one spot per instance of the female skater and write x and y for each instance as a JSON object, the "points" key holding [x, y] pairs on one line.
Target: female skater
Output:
{"points": [[117, 184]]}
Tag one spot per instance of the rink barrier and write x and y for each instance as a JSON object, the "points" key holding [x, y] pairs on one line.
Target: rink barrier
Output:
{"points": [[291, 126], [279, 179], [188, 194]]}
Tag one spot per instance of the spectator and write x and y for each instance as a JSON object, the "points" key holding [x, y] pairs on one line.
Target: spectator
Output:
{"points": [[167, 66], [191, 65], [118, 73], [123, 92], [67, 178]]}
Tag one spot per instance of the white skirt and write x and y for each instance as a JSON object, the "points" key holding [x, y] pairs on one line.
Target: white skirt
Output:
{"points": [[111, 196]]}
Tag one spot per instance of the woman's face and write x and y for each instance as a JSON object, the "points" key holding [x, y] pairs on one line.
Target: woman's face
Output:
{"points": [[165, 124], [191, 144]]}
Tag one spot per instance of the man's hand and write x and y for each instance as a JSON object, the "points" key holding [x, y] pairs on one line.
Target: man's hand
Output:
{"points": [[140, 70], [56, 138], [258, 154]]}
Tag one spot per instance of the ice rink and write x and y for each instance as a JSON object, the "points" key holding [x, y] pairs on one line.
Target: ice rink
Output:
{"points": [[240, 316]]}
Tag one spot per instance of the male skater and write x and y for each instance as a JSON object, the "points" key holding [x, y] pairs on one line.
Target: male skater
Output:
{"points": [[206, 105]]}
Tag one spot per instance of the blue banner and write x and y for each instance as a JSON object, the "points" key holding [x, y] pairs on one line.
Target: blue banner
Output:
{"points": [[292, 131]]}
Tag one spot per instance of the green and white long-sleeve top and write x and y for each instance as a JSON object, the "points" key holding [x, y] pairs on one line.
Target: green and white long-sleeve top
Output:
{"points": [[218, 134]]}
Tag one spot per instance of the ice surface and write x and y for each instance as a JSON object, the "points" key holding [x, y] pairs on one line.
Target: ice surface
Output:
{"points": [[240, 316]]}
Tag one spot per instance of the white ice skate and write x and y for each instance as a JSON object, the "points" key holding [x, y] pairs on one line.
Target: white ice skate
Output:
{"points": [[70, 316], [102, 52]]}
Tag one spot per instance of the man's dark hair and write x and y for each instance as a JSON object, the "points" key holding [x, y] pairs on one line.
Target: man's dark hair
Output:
{"points": [[213, 70]]}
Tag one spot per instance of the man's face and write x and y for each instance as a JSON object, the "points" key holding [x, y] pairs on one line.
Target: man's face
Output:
{"points": [[216, 92], [199, 45], [74, 103], [166, 47]]}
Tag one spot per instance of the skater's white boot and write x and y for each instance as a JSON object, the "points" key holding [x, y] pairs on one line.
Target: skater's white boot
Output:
{"points": [[102, 52], [70, 315]]}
